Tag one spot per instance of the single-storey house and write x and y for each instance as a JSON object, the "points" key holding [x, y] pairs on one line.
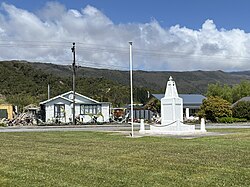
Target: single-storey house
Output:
{"points": [[60, 109], [191, 103]]}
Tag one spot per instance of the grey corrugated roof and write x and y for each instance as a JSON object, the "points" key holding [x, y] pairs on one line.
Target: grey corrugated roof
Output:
{"points": [[245, 99], [192, 98], [242, 99], [188, 99], [158, 96]]}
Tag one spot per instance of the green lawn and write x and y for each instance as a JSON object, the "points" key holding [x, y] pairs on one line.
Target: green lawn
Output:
{"points": [[104, 159]]}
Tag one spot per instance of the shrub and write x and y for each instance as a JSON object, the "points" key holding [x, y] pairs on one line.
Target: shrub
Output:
{"points": [[242, 110], [231, 120], [214, 108], [3, 125]]}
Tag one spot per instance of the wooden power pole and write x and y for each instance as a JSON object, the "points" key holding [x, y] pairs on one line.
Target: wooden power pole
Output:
{"points": [[74, 82]]}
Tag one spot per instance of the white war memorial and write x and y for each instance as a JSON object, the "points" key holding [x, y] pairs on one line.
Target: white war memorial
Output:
{"points": [[172, 115]]}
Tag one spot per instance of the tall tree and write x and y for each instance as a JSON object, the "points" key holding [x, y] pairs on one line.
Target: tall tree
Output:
{"points": [[241, 90], [223, 91]]}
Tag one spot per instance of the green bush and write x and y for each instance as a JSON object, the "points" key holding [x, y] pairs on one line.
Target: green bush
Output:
{"points": [[231, 120], [214, 108], [3, 125], [241, 119], [242, 110]]}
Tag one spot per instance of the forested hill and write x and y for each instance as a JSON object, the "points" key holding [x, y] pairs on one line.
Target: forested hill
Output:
{"points": [[187, 82], [24, 83]]}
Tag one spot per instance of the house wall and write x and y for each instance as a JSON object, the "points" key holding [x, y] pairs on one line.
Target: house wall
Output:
{"points": [[9, 109], [49, 110], [106, 111], [79, 99]]}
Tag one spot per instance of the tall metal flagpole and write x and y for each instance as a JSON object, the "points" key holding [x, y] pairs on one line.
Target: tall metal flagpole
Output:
{"points": [[131, 87]]}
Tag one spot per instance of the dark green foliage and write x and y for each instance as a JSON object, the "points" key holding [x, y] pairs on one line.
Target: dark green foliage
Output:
{"points": [[22, 84], [187, 82], [231, 120], [223, 91], [229, 93], [3, 125], [241, 90], [214, 108], [153, 105], [242, 110]]}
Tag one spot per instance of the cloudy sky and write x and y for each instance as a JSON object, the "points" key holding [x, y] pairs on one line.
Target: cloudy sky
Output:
{"points": [[166, 34]]}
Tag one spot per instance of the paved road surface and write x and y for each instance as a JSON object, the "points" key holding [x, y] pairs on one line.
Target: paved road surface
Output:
{"points": [[115, 127]]}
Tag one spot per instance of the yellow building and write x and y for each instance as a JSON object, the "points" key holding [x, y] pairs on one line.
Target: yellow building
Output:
{"points": [[6, 111]]}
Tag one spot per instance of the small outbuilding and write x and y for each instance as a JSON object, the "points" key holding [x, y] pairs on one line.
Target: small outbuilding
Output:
{"points": [[60, 109], [6, 111]]}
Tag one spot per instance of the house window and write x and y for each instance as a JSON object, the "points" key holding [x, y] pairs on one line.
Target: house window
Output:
{"points": [[90, 109], [59, 110]]}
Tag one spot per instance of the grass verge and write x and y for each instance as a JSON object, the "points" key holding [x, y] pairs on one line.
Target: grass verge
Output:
{"points": [[102, 159]]}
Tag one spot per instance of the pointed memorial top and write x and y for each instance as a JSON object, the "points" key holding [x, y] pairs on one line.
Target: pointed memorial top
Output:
{"points": [[171, 90]]}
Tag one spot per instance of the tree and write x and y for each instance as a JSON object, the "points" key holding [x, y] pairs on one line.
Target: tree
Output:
{"points": [[141, 95], [153, 105], [213, 108], [222, 91], [241, 90], [242, 110]]}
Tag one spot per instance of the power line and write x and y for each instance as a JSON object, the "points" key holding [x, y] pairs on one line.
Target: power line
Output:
{"points": [[121, 51], [101, 65], [114, 52]]}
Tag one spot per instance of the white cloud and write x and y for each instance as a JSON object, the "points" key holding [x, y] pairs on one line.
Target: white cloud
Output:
{"points": [[47, 36]]}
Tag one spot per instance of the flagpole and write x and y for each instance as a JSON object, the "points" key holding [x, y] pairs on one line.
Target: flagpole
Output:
{"points": [[131, 88]]}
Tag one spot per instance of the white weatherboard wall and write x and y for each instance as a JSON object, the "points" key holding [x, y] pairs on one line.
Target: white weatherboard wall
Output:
{"points": [[49, 108], [66, 99]]}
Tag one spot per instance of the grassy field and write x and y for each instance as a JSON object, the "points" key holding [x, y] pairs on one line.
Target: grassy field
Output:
{"points": [[105, 159]]}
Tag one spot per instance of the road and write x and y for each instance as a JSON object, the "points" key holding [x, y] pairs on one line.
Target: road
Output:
{"points": [[114, 127]]}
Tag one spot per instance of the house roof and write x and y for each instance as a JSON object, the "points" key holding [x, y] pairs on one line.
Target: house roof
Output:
{"points": [[245, 98], [189, 100], [80, 95], [242, 99], [63, 96], [54, 98]]}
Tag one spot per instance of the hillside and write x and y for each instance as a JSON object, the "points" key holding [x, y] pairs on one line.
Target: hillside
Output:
{"points": [[24, 83], [187, 82]]}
